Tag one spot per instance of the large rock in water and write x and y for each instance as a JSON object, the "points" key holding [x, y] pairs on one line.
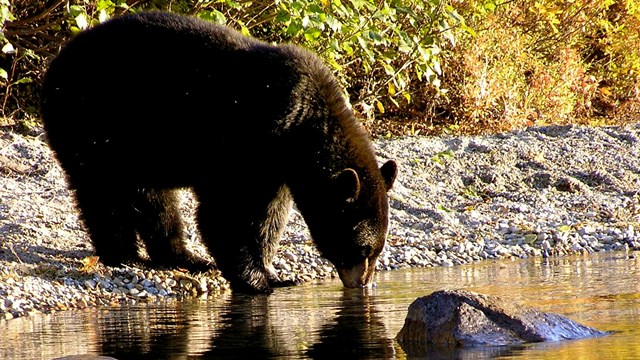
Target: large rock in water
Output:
{"points": [[456, 318]]}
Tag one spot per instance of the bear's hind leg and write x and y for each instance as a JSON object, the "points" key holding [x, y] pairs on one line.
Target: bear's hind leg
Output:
{"points": [[159, 224], [243, 237], [108, 218]]}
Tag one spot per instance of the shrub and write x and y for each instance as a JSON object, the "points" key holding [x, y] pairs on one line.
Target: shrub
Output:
{"points": [[540, 62], [412, 66], [379, 49]]}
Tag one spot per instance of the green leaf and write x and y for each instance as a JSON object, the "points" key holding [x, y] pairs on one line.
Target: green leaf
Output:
{"points": [[312, 34], [388, 69], [314, 8], [213, 15], [283, 16], [76, 10], [334, 24], [439, 157], [470, 191], [24, 80], [4, 74], [530, 238], [334, 44], [103, 4], [347, 47], [375, 37], [294, 27], [436, 67]]}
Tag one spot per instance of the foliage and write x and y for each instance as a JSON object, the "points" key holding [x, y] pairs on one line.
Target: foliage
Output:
{"points": [[409, 66], [541, 62], [379, 48]]}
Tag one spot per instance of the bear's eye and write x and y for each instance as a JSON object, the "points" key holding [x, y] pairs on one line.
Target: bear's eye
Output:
{"points": [[367, 251]]}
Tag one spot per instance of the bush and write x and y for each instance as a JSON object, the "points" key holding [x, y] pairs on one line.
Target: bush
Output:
{"points": [[413, 66], [541, 62], [379, 49]]}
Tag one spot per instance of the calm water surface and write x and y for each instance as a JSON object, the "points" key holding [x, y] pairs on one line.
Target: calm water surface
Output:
{"points": [[324, 321]]}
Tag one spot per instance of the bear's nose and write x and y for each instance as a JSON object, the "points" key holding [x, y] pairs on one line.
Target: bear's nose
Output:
{"points": [[360, 275]]}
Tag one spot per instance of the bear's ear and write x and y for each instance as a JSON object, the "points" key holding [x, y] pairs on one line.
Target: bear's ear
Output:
{"points": [[389, 172], [348, 184]]}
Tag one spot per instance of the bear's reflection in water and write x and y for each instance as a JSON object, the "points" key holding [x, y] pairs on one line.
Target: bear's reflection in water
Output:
{"points": [[254, 327]]}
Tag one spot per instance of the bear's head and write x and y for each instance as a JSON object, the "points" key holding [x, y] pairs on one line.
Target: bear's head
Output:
{"points": [[351, 232]]}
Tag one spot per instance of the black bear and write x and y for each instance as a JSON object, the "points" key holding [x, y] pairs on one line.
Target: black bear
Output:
{"points": [[143, 104]]}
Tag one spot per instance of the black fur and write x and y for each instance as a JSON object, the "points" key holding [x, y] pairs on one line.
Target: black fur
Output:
{"points": [[143, 104]]}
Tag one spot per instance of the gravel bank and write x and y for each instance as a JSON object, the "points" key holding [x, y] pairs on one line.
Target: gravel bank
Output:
{"points": [[545, 191]]}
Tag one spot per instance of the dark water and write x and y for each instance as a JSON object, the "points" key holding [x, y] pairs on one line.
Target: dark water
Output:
{"points": [[324, 321]]}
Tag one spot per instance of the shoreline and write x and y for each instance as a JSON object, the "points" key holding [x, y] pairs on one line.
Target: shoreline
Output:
{"points": [[544, 191]]}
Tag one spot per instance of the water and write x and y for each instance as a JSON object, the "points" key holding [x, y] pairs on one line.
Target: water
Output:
{"points": [[324, 321]]}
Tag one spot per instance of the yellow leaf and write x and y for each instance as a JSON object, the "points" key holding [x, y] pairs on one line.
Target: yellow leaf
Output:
{"points": [[539, 157], [606, 91], [380, 107], [564, 228], [89, 263], [392, 89]]}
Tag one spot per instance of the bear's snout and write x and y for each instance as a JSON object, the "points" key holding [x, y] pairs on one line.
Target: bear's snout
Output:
{"points": [[361, 275]]}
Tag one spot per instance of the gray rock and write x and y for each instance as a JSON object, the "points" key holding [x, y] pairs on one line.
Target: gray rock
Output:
{"points": [[456, 318]]}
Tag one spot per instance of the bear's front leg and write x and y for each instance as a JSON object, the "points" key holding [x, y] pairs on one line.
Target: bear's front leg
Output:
{"points": [[243, 238]]}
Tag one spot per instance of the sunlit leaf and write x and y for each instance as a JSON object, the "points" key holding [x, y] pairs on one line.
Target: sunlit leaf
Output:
{"points": [[81, 21], [24, 80], [312, 34], [213, 15], [391, 88], [76, 10], [103, 16], [447, 154], [294, 27], [564, 228], [8, 49], [89, 263]]}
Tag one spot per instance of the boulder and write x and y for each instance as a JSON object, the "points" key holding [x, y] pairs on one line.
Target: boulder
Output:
{"points": [[457, 318]]}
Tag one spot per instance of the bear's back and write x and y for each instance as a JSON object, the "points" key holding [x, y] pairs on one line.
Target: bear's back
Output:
{"points": [[138, 72], [153, 85]]}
